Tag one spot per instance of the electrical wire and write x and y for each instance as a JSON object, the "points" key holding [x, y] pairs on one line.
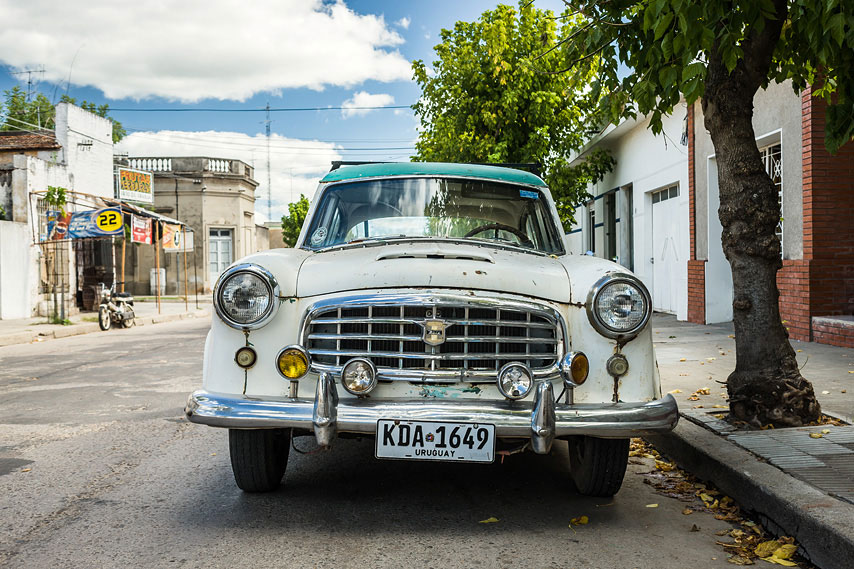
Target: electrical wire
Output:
{"points": [[258, 110]]}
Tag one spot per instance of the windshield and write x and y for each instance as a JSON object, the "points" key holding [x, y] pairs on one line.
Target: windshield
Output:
{"points": [[433, 207]]}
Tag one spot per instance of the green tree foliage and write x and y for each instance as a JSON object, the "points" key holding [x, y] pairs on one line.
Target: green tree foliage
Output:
{"points": [[18, 113], [495, 95], [720, 53], [292, 223]]}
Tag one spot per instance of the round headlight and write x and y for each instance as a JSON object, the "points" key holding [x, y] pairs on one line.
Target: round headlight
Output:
{"points": [[619, 306], [359, 376], [515, 380], [245, 296], [245, 357], [292, 362]]}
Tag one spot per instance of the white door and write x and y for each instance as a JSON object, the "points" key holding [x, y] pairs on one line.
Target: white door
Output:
{"points": [[718, 271], [220, 251], [665, 255]]}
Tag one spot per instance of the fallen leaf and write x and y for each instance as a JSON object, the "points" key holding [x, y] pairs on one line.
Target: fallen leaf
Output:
{"points": [[719, 416], [579, 521], [705, 497], [785, 551], [767, 548], [213, 454], [710, 359], [799, 351], [825, 392], [683, 359], [778, 561], [703, 391], [844, 391], [825, 431], [26, 469], [740, 560], [652, 505], [718, 406], [721, 533], [687, 512], [816, 435], [731, 336], [675, 391], [849, 371], [488, 521]]}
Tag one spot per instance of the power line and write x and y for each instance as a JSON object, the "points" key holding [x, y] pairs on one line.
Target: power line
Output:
{"points": [[250, 144], [258, 110]]}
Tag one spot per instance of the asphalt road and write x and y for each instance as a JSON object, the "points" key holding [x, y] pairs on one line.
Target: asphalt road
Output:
{"points": [[98, 468]]}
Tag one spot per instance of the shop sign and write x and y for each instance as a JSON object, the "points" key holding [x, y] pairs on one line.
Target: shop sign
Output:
{"points": [[81, 224], [140, 230], [134, 185], [171, 237]]}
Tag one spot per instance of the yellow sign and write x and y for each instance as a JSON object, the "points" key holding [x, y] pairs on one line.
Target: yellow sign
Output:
{"points": [[109, 220], [134, 185]]}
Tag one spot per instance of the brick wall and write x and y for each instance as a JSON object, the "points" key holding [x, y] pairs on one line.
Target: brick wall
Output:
{"points": [[696, 267], [793, 281], [828, 202]]}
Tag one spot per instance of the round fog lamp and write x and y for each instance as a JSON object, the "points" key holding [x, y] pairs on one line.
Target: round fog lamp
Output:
{"points": [[292, 362], [515, 380], [575, 368], [245, 357], [617, 365], [359, 376]]}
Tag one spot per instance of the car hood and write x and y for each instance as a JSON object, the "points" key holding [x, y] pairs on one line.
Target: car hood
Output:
{"points": [[438, 265]]}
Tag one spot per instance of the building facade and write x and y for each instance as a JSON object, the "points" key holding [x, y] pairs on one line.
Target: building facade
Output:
{"points": [[674, 215], [213, 196], [40, 279]]}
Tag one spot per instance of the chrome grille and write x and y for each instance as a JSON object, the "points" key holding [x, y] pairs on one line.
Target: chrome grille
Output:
{"points": [[479, 338]]}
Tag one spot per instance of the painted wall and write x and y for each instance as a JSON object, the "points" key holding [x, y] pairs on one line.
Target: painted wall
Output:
{"points": [[645, 163], [87, 149], [19, 274]]}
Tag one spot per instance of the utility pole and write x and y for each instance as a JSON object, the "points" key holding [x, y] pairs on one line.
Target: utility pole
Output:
{"points": [[269, 186]]}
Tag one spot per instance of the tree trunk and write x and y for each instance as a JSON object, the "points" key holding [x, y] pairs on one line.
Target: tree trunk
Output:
{"points": [[766, 386]]}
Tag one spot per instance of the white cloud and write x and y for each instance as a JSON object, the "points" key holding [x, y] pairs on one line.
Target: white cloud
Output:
{"points": [[404, 23], [190, 50], [296, 166], [364, 99]]}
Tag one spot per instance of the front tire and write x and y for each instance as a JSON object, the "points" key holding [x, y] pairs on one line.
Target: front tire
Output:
{"points": [[104, 320], [598, 465], [259, 457]]}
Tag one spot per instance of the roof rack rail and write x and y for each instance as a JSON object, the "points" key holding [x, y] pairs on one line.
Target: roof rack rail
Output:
{"points": [[532, 167]]}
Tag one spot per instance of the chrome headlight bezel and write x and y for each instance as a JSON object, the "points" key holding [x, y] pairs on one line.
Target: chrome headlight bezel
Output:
{"points": [[272, 290], [593, 313]]}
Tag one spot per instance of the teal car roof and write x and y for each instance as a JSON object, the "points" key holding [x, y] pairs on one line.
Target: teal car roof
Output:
{"points": [[441, 169]]}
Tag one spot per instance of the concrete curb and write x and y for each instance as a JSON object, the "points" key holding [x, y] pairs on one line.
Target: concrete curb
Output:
{"points": [[90, 327], [822, 525]]}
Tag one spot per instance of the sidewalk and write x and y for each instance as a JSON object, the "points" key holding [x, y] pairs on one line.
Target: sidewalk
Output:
{"points": [[26, 330], [799, 485]]}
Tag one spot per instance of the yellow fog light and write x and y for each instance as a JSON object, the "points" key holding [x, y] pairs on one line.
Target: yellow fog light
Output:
{"points": [[245, 357], [292, 362], [574, 368]]}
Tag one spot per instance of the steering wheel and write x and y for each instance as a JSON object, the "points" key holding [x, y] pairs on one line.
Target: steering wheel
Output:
{"points": [[523, 239]]}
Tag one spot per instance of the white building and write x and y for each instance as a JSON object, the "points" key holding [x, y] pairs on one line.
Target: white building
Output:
{"points": [[77, 156], [638, 216]]}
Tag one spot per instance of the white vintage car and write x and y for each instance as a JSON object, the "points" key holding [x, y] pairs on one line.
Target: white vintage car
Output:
{"points": [[434, 308]]}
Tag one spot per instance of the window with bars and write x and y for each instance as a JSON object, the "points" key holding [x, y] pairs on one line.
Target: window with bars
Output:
{"points": [[772, 158]]}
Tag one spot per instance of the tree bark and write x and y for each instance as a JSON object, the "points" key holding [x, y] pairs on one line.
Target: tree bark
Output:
{"points": [[766, 386]]}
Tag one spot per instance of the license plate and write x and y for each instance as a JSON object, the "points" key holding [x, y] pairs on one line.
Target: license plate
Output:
{"points": [[430, 440]]}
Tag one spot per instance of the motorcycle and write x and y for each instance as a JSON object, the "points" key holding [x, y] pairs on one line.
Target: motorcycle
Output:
{"points": [[115, 307]]}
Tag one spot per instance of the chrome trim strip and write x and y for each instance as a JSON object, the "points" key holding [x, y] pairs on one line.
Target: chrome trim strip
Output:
{"points": [[272, 289], [430, 299], [592, 296], [512, 419]]}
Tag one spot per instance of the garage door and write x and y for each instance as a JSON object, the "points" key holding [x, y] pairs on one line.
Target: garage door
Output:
{"points": [[665, 259]]}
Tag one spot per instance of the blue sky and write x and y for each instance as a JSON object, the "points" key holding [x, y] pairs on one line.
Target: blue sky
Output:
{"points": [[221, 54]]}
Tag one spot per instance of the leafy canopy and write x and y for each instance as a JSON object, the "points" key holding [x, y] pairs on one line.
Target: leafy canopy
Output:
{"points": [[496, 93], [292, 223], [651, 52], [18, 113]]}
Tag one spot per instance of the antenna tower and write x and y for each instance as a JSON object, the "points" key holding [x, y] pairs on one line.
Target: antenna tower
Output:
{"points": [[30, 84]]}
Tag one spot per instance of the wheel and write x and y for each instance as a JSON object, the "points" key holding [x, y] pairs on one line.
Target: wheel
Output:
{"points": [[104, 320], [127, 322], [598, 465], [259, 457]]}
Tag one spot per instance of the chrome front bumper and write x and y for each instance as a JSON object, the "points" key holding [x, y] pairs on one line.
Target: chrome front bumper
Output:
{"points": [[541, 421]]}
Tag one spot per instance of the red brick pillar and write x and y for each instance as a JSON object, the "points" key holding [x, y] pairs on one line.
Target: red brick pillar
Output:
{"points": [[696, 267]]}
